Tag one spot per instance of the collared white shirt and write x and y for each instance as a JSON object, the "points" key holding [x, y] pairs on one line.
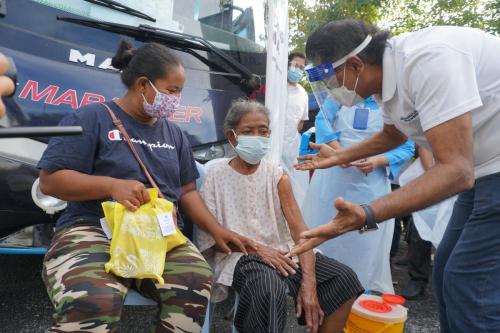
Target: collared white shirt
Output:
{"points": [[439, 73], [296, 111]]}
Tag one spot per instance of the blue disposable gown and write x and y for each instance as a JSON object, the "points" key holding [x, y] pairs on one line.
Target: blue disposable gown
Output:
{"points": [[367, 254]]}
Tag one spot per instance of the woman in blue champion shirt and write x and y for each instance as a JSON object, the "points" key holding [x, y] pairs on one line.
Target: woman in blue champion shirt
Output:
{"points": [[97, 166]]}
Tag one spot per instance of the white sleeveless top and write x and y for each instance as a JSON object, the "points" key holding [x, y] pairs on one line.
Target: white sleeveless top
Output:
{"points": [[248, 205]]}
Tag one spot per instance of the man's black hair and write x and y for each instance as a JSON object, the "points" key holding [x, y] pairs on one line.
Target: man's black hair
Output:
{"points": [[335, 39], [296, 54]]}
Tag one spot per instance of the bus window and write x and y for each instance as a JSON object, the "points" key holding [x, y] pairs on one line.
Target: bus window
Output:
{"points": [[233, 25]]}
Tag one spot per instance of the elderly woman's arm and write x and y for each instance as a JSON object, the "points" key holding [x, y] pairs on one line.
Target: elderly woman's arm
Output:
{"points": [[296, 224], [307, 300]]}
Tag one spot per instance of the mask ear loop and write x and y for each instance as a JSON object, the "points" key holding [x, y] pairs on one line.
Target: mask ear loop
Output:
{"points": [[144, 98], [343, 77], [235, 136], [152, 85], [154, 88], [356, 84], [343, 80]]}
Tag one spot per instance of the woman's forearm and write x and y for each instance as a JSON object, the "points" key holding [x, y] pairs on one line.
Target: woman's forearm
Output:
{"points": [[296, 225], [308, 265], [197, 210], [225, 240], [72, 185], [290, 208]]}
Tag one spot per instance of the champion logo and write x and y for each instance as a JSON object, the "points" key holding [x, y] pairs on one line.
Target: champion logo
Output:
{"points": [[114, 135]]}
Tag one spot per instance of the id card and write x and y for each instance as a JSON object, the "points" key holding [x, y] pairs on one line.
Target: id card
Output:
{"points": [[167, 225], [360, 119]]}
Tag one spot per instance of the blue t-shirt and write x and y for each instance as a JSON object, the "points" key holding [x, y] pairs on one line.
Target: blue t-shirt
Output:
{"points": [[101, 151]]}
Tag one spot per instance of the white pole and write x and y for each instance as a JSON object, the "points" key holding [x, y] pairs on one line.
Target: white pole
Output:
{"points": [[276, 73]]}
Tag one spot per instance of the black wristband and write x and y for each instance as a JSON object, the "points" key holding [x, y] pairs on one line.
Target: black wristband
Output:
{"points": [[370, 223]]}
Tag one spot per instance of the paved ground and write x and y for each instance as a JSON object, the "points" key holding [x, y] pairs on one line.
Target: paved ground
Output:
{"points": [[422, 314], [24, 306]]}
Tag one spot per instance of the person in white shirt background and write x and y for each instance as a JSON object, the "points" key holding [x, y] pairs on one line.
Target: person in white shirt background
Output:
{"points": [[440, 86], [296, 113]]}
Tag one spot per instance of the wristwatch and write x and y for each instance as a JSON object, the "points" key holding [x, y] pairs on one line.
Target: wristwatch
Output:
{"points": [[370, 223]]}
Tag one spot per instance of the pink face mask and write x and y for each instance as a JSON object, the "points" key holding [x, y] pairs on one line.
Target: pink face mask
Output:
{"points": [[163, 105]]}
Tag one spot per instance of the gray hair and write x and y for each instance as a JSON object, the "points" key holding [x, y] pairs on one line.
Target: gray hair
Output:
{"points": [[241, 107]]}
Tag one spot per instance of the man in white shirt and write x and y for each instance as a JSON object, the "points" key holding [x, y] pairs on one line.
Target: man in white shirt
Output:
{"points": [[296, 113], [440, 86], [297, 108]]}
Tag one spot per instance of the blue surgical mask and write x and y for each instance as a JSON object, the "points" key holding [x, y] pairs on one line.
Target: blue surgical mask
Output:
{"points": [[294, 74], [251, 148]]}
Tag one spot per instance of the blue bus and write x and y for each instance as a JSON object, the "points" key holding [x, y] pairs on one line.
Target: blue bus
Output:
{"points": [[62, 52]]}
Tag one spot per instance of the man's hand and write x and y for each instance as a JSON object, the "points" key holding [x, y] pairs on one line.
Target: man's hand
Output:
{"points": [[325, 158], [371, 163], [277, 260], [226, 239], [336, 145], [349, 217], [307, 302]]}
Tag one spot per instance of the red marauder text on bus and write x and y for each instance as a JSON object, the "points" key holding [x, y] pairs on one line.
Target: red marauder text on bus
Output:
{"points": [[51, 95]]}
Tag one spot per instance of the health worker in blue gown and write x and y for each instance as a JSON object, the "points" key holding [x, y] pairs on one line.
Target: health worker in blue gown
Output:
{"points": [[359, 182]]}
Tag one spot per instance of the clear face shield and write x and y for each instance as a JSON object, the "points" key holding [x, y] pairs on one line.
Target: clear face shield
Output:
{"points": [[323, 80]]}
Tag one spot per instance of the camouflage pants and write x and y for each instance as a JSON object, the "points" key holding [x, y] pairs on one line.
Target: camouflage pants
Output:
{"points": [[87, 299]]}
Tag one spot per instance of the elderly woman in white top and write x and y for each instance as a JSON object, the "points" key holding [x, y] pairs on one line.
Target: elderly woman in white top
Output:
{"points": [[253, 197]]}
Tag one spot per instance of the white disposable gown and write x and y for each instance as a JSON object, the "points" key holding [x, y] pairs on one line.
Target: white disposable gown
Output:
{"points": [[367, 254]]}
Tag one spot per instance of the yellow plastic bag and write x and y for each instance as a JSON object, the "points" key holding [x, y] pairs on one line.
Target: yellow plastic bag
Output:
{"points": [[138, 248]]}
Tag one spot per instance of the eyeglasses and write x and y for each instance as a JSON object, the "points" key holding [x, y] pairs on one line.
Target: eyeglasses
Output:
{"points": [[295, 64]]}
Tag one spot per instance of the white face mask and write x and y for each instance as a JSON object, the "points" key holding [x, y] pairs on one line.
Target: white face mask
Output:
{"points": [[251, 148], [345, 96]]}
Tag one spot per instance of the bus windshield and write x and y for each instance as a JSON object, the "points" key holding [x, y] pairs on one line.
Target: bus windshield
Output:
{"points": [[233, 25]]}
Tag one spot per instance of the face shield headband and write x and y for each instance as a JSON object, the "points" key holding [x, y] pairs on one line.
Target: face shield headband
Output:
{"points": [[322, 77]]}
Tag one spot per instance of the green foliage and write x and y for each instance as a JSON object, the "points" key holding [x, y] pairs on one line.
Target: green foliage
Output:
{"points": [[396, 15], [305, 19], [403, 15], [493, 17]]}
